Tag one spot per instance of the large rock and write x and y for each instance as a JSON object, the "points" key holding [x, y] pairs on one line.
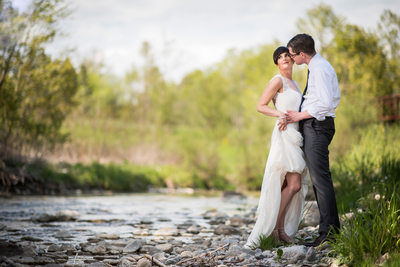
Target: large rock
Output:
{"points": [[61, 216], [294, 253], [133, 246], [226, 230], [311, 214]]}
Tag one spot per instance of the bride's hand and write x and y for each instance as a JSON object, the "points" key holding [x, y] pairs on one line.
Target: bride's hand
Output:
{"points": [[282, 123]]}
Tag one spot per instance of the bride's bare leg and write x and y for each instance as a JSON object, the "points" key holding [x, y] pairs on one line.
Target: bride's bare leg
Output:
{"points": [[293, 185]]}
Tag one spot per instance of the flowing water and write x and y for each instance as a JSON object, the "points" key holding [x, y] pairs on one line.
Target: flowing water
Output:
{"points": [[122, 215]]}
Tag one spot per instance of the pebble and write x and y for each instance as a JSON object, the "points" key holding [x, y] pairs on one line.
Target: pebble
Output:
{"points": [[226, 230], [97, 264], [107, 236], [126, 263], [186, 254], [194, 229], [53, 248], [149, 249], [143, 263], [166, 231], [165, 247]]}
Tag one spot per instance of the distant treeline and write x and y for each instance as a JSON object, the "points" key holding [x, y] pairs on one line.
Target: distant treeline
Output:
{"points": [[204, 130]]}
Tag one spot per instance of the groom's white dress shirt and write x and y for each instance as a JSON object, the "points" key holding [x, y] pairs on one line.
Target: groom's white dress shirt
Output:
{"points": [[323, 95]]}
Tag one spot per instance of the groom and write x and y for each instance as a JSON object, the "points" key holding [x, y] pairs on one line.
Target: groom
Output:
{"points": [[316, 122]]}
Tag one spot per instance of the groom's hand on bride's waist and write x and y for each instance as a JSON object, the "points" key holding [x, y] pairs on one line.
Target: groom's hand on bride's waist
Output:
{"points": [[295, 116]]}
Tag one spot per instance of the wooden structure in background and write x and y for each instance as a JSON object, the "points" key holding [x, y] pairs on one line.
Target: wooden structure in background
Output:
{"points": [[390, 108]]}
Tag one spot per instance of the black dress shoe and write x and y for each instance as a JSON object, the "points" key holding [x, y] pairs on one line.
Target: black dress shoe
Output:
{"points": [[318, 241]]}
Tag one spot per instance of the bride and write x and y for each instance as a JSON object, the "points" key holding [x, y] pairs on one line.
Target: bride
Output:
{"points": [[283, 189]]}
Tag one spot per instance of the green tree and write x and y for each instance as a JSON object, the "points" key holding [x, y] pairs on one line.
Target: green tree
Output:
{"points": [[321, 23], [389, 33], [36, 92]]}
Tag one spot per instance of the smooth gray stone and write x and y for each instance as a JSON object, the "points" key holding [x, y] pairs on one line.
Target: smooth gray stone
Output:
{"points": [[54, 248], [165, 247], [133, 246], [194, 229], [149, 249], [96, 249], [126, 263], [311, 254], [172, 260], [294, 253]]}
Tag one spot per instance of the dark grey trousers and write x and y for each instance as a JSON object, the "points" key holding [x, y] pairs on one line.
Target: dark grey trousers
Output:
{"points": [[317, 137]]}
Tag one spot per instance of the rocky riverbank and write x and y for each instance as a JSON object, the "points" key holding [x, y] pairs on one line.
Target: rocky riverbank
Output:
{"points": [[215, 238]]}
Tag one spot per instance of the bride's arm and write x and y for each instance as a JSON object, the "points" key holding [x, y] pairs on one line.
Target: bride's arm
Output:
{"points": [[269, 92]]}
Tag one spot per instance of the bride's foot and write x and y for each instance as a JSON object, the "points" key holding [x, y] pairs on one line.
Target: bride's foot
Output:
{"points": [[283, 236], [275, 235]]}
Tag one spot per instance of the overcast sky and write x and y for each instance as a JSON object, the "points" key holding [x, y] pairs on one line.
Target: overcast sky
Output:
{"points": [[190, 34]]}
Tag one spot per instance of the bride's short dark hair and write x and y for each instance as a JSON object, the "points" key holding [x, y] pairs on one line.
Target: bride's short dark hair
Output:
{"points": [[280, 50]]}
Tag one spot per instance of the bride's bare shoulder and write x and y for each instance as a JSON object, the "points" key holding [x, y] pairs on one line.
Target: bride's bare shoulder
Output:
{"points": [[276, 81]]}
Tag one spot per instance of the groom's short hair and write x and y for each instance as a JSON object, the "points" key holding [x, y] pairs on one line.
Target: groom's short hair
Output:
{"points": [[302, 43]]}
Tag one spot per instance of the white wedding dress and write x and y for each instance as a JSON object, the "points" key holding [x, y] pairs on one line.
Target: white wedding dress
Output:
{"points": [[285, 155]]}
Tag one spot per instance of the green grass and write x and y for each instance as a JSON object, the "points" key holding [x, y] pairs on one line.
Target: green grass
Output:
{"points": [[375, 227], [266, 243], [367, 181], [116, 177]]}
